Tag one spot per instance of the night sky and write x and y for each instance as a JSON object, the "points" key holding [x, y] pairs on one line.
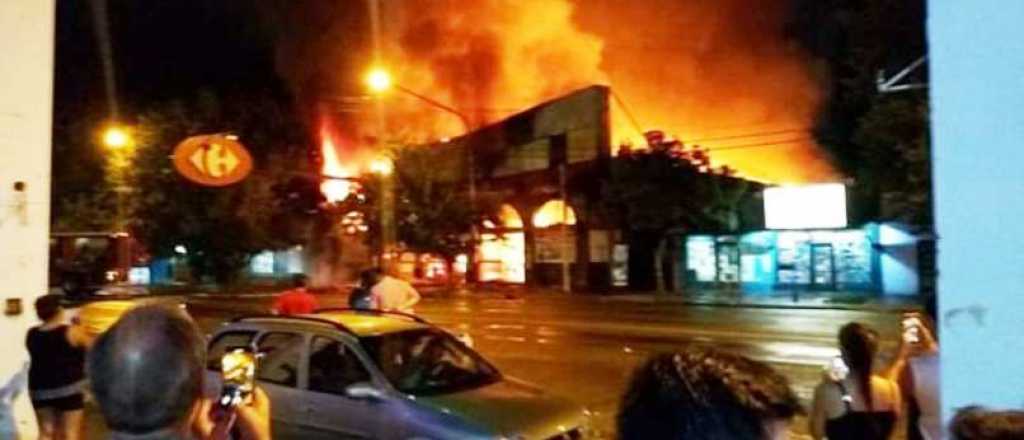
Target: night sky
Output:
{"points": [[162, 50]]}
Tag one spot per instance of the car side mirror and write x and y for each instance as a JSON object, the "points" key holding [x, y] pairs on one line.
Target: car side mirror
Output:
{"points": [[364, 391]]}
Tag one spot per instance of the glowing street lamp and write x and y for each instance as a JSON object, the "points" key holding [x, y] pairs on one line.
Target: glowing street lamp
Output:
{"points": [[118, 141], [116, 138], [378, 80]]}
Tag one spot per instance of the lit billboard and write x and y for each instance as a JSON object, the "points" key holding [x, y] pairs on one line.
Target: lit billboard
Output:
{"points": [[805, 207]]}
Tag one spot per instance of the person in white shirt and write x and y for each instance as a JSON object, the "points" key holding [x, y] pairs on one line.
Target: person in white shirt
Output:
{"points": [[391, 294]]}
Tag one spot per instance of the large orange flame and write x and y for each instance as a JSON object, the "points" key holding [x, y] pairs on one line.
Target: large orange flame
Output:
{"points": [[335, 190], [720, 74]]}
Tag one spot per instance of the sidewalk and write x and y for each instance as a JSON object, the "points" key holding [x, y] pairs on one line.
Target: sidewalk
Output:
{"points": [[853, 301], [865, 302], [804, 300]]}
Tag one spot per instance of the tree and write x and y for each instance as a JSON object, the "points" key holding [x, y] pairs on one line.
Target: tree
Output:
{"points": [[220, 227], [433, 211], [871, 136], [893, 137], [662, 189]]}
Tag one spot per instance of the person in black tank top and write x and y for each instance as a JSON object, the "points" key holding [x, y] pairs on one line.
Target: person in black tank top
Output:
{"points": [[56, 376], [859, 425], [846, 407]]}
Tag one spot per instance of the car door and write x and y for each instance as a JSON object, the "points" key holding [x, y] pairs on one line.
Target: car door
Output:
{"points": [[278, 373], [328, 412]]}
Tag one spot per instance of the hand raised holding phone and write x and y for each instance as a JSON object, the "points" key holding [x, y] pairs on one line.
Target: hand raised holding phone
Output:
{"points": [[242, 411], [916, 336]]}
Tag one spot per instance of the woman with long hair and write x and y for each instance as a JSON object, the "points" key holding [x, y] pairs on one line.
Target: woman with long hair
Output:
{"points": [[862, 405]]}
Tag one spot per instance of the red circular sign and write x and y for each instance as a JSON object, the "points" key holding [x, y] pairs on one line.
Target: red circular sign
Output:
{"points": [[212, 160]]}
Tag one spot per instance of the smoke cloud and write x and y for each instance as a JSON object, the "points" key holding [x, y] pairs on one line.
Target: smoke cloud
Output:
{"points": [[721, 74]]}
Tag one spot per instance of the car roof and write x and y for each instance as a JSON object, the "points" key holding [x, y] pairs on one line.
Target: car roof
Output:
{"points": [[370, 324], [359, 323]]}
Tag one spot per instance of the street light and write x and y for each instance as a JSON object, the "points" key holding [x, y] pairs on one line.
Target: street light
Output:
{"points": [[120, 147], [384, 167], [116, 138], [378, 80]]}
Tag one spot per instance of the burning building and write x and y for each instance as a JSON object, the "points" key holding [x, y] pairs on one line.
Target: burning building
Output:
{"points": [[542, 168], [721, 74]]}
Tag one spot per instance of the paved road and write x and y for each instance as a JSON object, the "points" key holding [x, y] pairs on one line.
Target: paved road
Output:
{"points": [[585, 347]]}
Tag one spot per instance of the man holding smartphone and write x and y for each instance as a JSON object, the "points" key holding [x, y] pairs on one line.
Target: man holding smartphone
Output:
{"points": [[147, 375]]}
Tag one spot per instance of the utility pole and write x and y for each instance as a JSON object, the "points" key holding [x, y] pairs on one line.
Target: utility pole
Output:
{"points": [[566, 245]]}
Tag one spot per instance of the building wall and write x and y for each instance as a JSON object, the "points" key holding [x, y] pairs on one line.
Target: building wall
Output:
{"points": [[580, 119], [976, 67], [26, 96], [873, 259], [898, 261]]}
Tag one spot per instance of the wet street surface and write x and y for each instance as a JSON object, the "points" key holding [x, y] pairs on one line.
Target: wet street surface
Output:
{"points": [[585, 347]]}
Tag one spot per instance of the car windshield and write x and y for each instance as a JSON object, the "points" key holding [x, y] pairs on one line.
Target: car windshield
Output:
{"points": [[428, 362]]}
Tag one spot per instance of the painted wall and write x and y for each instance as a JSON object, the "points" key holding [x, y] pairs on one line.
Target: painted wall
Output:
{"points": [[898, 261], [26, 96], [976, 68]]}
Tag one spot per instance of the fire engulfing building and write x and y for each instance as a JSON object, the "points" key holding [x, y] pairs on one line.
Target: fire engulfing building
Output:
{"points": [[543, 169]]}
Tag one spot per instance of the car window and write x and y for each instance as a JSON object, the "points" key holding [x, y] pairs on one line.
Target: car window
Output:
{"points": [[333, 366], [281, 354], [222, 343], [428, 362]]}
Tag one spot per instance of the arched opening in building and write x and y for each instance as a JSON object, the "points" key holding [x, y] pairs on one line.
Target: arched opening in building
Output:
{"points": [[554, 243], [552, 213], [502, 249]]}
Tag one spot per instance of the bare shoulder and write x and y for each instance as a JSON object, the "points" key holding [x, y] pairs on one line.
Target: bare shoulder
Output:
{"points": [[886, 392], [828, 398]]}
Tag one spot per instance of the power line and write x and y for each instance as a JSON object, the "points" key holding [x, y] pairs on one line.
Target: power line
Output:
{"points": [[748, 135], [625, 109], [763, 144]]}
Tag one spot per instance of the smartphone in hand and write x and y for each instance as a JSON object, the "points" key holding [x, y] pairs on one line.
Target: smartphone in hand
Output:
{"points": [[238, 377], [911, 329]]}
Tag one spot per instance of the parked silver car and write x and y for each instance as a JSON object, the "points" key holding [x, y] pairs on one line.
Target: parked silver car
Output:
{"points": [[357, 374]]}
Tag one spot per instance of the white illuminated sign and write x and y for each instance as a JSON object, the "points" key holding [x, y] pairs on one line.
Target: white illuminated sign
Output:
{"points": [[805, 207]]}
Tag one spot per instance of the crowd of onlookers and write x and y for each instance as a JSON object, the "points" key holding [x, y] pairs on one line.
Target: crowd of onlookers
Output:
{"points": [[146, 374]]}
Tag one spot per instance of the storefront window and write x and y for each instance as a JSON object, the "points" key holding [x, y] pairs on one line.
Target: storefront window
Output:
{"points": [[700, 258], [728, 260], [794, 258], [853, 258], [757, 258]]}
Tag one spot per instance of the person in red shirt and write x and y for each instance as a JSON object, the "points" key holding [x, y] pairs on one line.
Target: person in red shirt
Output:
{"points": [[297, 301]]}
